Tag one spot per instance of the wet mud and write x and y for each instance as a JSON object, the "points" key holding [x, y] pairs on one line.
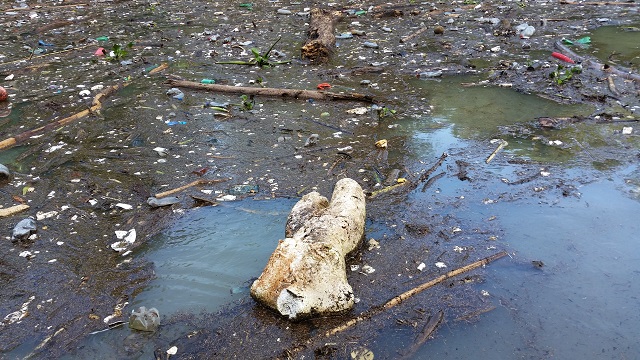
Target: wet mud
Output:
{"points": [[88, 178]]}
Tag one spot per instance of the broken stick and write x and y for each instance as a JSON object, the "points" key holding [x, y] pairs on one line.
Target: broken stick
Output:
{"points": [[95, 106], [503, 143], [191, 184], [13, 210], [274, 92]]}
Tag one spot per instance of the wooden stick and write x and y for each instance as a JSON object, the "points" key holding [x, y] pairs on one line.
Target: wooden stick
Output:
{"points": [[274, 92], [404, 296], [427, 173], [503, 143], [13, 210], [432, 324], [411, 36], [612, 86], [95, 106], [191, 184]]}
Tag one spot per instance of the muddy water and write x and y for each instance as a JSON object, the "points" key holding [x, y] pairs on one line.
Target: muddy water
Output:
{"points": [[579, 302], [209, 257], [617, 45]]}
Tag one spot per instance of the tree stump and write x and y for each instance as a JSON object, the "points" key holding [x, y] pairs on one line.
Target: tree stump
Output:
{"points": [[306, 274], [320, 36]]}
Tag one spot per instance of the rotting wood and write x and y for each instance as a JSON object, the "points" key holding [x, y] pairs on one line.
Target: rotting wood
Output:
{"points": [[406, 295], [476, 313], [428, 173], [191, 184], [432, 180], [273, 92], [320, 35], [429, 328], [13, 210]]}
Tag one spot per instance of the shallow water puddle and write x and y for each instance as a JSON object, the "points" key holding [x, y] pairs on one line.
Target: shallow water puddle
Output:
{"points": [[211, 255], [617, 45], [580, 304]]}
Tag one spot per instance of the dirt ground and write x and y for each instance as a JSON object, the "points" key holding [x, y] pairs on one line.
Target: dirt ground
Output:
{"points": [[89, 178]]}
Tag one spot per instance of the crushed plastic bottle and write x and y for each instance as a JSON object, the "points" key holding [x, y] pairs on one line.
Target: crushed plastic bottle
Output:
{"points": [[525, 30], [144, 320], [155, 202], [430, 74], [175, 93]]}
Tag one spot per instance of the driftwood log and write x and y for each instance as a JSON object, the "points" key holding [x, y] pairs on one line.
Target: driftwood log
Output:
{"points": [[306, 274], [320, 36], [273, 92]]}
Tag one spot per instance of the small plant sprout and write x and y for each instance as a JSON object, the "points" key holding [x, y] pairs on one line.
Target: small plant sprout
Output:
{"points": [[258, 58]]}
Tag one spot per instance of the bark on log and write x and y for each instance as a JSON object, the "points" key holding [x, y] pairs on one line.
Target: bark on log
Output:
{"points": [[274, 92], [320, 36], [306, 274]]}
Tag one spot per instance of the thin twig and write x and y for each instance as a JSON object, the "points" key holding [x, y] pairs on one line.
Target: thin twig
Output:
{"points": [[191, 184]]}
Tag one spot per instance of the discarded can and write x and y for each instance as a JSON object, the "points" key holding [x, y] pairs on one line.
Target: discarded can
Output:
{"points": [[207, 81], [145, 320], [3, 94], [324, 86]]}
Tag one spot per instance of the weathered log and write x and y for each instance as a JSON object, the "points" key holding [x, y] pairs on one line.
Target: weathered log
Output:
{"points": [[306, 274], [274, 92], [320, 36]]}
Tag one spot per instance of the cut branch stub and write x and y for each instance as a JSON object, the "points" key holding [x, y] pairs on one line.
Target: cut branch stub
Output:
{"points": [[320, 36]]}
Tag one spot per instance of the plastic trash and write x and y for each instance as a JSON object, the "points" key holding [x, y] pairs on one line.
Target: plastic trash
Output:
{"points": [[311, 140], [4, 172], [155, 202], [243, 189], [370, 44], [525, 30], [562, 57], [24, 229], [102, 38], [344, 36], [324, 86], [100, 52], [3, 94], [430, 74], [42, 43], [175, 93], [144, 320], [207, 81]]}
